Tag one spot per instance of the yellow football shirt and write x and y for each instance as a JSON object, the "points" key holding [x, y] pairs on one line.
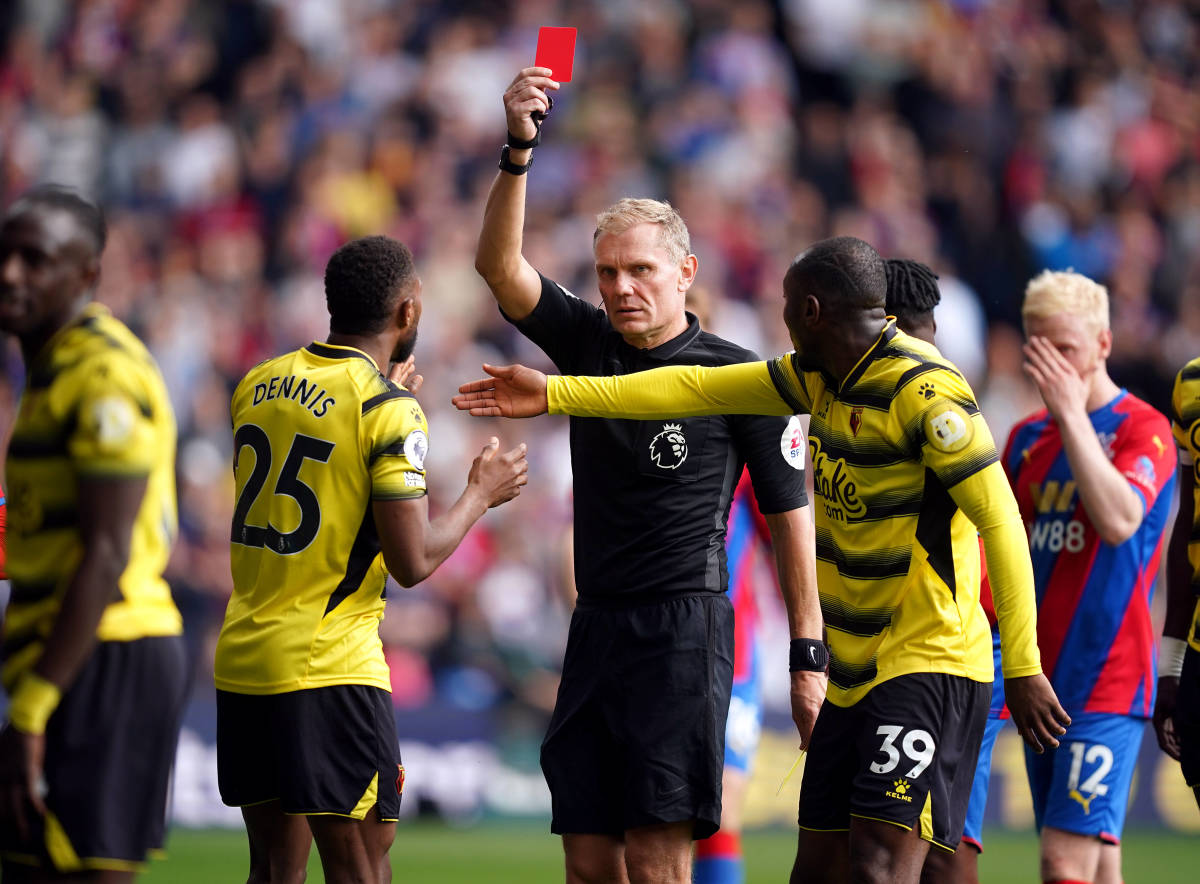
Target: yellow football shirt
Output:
{"points": [[905, 472], [1185, 424], [94, 405], [318, 434]]}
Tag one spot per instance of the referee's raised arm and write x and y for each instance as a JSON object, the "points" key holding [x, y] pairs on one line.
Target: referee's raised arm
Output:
{"points": [[498, 259]]}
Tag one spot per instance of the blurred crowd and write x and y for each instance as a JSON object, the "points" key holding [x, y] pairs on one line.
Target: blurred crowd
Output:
{"points": [[236, 143]]}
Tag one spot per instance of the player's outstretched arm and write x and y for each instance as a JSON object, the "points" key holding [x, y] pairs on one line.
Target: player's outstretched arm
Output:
{"points": [[498, 259], [511, 391], [414, 546], [1180, 605], [669, 392]]}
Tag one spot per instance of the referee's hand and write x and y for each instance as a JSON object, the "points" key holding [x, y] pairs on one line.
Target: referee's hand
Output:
{"points": [[511, 391], [526, 95], [1039, 717]]}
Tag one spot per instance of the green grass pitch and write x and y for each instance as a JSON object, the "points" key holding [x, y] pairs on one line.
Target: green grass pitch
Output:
{"points": [[508, 853]]}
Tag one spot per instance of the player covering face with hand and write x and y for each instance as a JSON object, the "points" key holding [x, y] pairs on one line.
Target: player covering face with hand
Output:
{"points": [[1093, 474]]}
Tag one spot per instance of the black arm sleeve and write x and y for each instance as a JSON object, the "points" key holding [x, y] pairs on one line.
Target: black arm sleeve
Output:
{"points": [[763, 441], [563, 326]]}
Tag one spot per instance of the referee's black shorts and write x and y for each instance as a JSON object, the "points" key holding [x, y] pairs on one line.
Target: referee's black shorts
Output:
{"points": [[329, 750], [638, 731], [110, 746]]}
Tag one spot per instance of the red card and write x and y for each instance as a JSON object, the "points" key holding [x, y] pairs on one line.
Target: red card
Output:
{"points": [[556, 50]]}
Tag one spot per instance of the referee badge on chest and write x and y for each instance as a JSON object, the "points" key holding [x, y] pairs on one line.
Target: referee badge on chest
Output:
{"points": [[669, 449]]}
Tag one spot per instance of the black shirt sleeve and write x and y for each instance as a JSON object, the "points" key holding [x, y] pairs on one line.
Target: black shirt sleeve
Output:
{"points": [[778, 485], [564, 326]]}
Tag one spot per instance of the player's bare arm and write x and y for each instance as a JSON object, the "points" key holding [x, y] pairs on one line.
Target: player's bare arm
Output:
{"points": [[498, 259], [511, 391], [1180, 603], [107, 510], [794, 544], [414, 546], [1114, 508]]}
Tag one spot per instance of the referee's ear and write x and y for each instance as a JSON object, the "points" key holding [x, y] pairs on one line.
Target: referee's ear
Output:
{"points": [[688, 269]]}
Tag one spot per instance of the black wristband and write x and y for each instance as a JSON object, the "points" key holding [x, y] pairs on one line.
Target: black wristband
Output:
{"points": [[808, 655], [537, 117], [509, 166], [524, 143]]}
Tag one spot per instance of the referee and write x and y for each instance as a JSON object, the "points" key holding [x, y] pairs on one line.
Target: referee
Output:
{"points": [[633, 754]]}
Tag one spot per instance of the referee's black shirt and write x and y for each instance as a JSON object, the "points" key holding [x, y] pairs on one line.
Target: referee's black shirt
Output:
{"points": [[652, 497]]}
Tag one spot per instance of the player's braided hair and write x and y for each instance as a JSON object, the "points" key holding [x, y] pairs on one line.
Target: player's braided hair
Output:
{"points": [[912, 289], [363, 279], [87, 214]]}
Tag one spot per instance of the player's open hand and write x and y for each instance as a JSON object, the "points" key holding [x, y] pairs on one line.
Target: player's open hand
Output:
{"points": [[511, 391], [526, 95], [1164, 715], [21, 764], [499, 476], [808, 693], [1062, 389], [1039, 717], [405, 374]]}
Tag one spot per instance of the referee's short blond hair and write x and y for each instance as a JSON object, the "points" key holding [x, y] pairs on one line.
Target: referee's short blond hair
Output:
{"points": [[629, 212], [1063, 291]]}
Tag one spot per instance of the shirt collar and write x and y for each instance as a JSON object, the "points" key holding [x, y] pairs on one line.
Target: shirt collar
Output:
{"points": [[881, 344], [338, 351], [670, 349]]}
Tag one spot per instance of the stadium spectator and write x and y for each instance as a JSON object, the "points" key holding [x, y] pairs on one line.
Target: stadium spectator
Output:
{"points": [[306, 735], [1177, 706], [633, 753], [93, 662], [934, 130], [910, 674], [1093, 473]]}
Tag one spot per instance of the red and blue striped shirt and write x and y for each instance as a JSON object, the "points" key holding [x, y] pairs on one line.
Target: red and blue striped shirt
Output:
{"points": [[1094, 629]]}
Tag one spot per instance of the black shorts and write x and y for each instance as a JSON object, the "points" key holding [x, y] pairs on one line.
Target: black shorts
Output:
{"points": [[330, 750], [1187, 717], [903, 754], [638, 731], [110, 746]]}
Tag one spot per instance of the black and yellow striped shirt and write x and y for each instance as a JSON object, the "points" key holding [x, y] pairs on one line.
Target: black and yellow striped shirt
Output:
{"points": [[1185, 424], [318, 434], [94, 405], [905, 472]]}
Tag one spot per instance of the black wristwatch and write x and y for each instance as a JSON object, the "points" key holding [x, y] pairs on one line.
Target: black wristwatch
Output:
{"points": [[509, 166]]}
